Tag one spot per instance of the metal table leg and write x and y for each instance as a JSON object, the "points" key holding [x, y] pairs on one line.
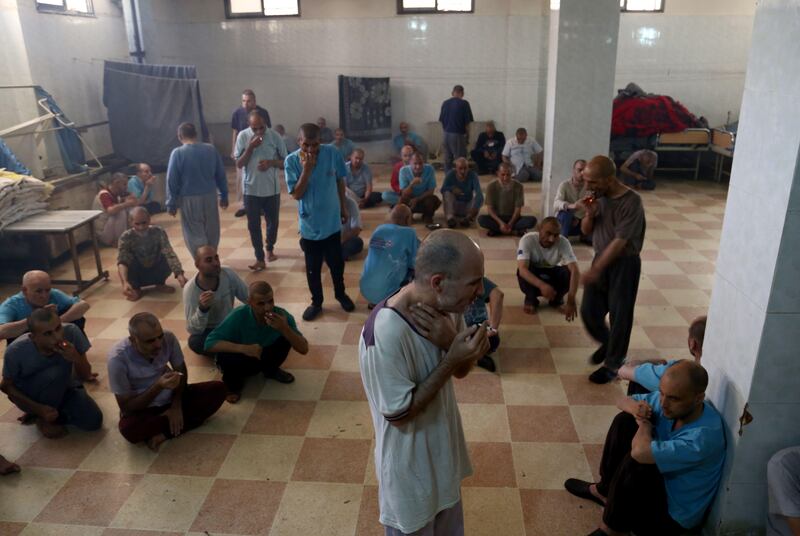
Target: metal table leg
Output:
{"points": [[96, 247], [76, 263]]}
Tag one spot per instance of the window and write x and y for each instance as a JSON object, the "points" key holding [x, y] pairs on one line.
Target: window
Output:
{"points": [[242, 9], [66, 7], [641, 6], [435, 6]]}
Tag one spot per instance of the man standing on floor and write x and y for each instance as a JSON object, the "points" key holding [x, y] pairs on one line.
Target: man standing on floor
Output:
{"points": [[455, 117], [569, 193], [260, 153], [194, 174], [411, 346], [239, 122], [616, 223], [315, 177]]}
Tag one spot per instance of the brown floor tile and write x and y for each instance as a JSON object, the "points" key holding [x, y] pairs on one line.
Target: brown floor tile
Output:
{"points": [[65, 453], [690, 313], [516, 315], [492, 511], [479, 388], [95, 326], [343, 386], [492, 464], [557, 512], [568, 337], [192, 454], [369, 514], [594, 453], [332, 460], [134, 532], [89, 499], [653, 255], [663, 243], [318, 357], [580, 391], [280, 417], [667, 336], [672, 281], [552, 424], [10, 528], [222, 510], [694, 268], [158, 308], [351, 334], [650, 297], [525, 360]]}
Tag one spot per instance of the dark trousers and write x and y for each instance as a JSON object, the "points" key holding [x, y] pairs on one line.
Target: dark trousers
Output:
{"points": [[328, 250], [199, 402], [197, 342], [374, 198], [523, 223], [613, 294], [269, 207], [55, 387], [144, 276], [557, 277], [427, 206], [570, 225], [486, 165], [455, 146], [352, 247], [237, 367], [635, 492]]}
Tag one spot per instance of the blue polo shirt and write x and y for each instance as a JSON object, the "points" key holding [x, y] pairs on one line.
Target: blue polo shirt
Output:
{"points": [[390, 260], [428, 179], [17, 308], [648, 375], [455, 115], [689, 459], [470, 188], [136, 188], [319, 208]]}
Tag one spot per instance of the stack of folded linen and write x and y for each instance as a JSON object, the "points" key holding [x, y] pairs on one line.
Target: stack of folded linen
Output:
{"points": [[21, 196]]}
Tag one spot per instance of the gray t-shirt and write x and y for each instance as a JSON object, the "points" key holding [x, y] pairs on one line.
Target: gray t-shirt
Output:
{"points": [[22, 361], [357, 180], [622, 217], [230, 286], [783, 481]]}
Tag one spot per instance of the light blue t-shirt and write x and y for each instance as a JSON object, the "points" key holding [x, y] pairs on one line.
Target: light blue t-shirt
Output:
{"points": [[136, 188], [319, 209], [470, 188], [17, 308], [391, 256], [358, 180], [261, 183], [345, 149], [648, 375], [428, 179], [399, 141], [689, 459]]}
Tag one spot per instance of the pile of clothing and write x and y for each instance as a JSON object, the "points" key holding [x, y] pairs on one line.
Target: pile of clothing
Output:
{"points": [[21, 196], [639, 114]]}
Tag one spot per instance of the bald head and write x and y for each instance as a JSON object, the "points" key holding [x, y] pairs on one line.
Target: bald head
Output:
{"points": [[601, 167], [689, 374], [139, 212], [35, 277], [206, 260], [449, 271], [600, 176], [400, 215]]}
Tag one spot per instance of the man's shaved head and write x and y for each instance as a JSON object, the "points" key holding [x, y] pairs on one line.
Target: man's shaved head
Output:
{"points": [[690, 374], [35, 276], [601, 166], [139, 211], [400, 215], [259, 288], [443, 252], [309, 131]]}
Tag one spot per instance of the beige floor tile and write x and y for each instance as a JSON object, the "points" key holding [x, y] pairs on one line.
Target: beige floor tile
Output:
{"points": [[492, 511], [684, 255], [572, 360], [229, 419], [592, 422], [703, 281], [341, 419], [111, 308], [661, 268], [308, 506], [686, 298], [15, 438], [346, 359], [658, 315], [665, 234], [55, 529], [261, 457], [639, 339], [485, 422], [548, 465], [114, 454], [524, 337], [308, 385], [533, 389], [25, 494]]}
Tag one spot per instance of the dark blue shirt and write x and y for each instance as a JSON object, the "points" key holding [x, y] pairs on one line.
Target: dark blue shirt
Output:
{"points": [[239, 120], [455, 115]]}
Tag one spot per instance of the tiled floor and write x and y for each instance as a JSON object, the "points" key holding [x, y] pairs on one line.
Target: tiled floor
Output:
{"points": [[296, 460]]}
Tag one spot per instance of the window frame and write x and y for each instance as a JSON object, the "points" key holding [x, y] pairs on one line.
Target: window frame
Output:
{"points": [[624, 8], [62, 10], [233, 16], [430, 11]]}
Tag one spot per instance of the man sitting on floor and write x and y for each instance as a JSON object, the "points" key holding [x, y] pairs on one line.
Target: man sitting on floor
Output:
{"points": [[476, 314], [568, 211], [525, 155], [342, 144], [352, 244], [392, 197], [418, 184], [547, 266], [155, 400], [38, 376], [208, 297], [325, 133], [644, 376], [488, 151], [662, 459], [390, 259], [141, 187], [114, 202], [637, 171], [406, 137], [146, 258], [255, 338], [462, 195], [37, 292], [504, 200], [359, 180]]}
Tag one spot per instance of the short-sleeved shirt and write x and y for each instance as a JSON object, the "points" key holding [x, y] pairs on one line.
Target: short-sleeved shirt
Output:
{"points": [[261, 183], [505, 200], [240, 118], [147, 248], [420, 463], [357, 180], [521, 154], [131, 373], [455, 115], [690, 460], [23, 362], [622, 217], [136, 188], [476, 313], [412, 138], [783, 485], [319, 208], [530, 249], [648, 375], [241, 327], [17, 308], [107, 199], [470, 187], [391, 256], [428, 179], [345, 149]]}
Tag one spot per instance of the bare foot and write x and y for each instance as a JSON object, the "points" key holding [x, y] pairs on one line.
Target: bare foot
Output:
{"points": [[7, 467], [529, 309], [258, 266], [271, 257], [593, 491], [51, 430], [233, 398], [133, 295], [165, 289], [155, 442]]}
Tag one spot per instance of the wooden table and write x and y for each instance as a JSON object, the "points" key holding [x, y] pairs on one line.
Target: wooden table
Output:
{"points": [[65, 222]]}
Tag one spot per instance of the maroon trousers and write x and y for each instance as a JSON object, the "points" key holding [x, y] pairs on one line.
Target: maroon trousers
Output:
{"points": [[200, 401]]}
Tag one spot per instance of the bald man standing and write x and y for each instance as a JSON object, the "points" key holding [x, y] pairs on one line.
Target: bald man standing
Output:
{"points": [[615, 221], [37, 291]]}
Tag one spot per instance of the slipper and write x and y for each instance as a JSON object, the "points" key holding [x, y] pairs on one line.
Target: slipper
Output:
{"points": [[580, 488]]}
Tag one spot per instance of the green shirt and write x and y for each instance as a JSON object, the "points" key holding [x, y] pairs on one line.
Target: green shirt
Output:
{"points": [[506, 200], [241, 327]]}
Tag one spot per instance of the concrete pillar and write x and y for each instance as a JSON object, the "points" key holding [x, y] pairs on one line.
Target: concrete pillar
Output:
{"points": [[582, 59], [751, 347]]}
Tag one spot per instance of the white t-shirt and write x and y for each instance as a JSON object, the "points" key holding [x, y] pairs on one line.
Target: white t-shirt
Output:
{"points": [[420, 464], [532, 251], [521, 154]]}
